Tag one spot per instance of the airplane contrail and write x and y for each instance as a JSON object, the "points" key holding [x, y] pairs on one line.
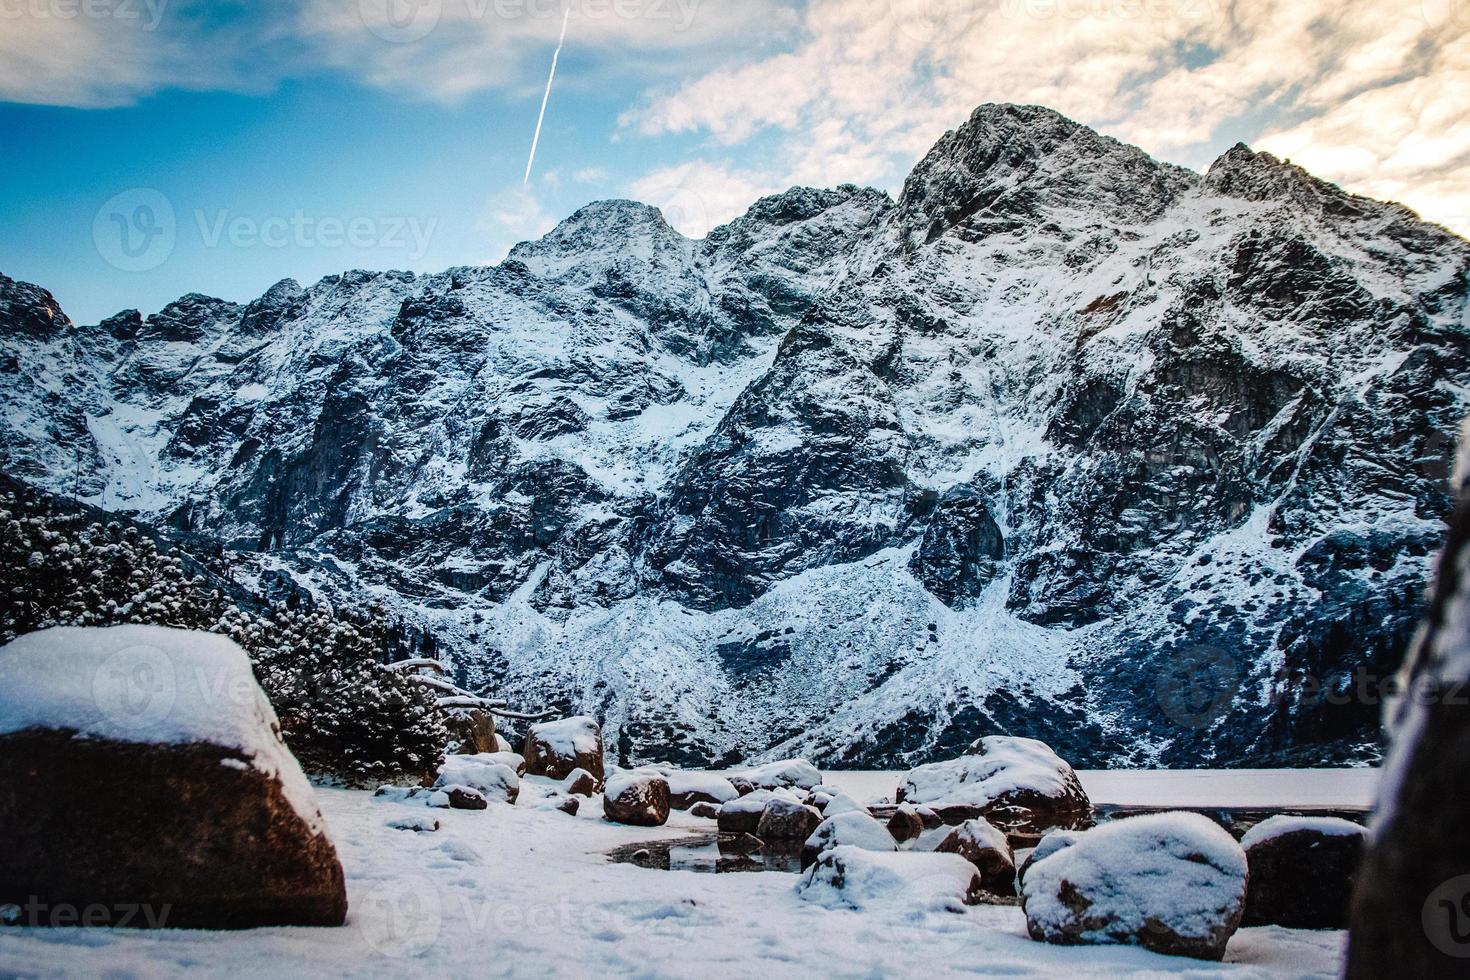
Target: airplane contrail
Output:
{"points": [[536, 140]]}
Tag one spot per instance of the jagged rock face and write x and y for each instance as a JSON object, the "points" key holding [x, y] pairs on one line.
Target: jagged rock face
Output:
{"points": [[853, 479]]}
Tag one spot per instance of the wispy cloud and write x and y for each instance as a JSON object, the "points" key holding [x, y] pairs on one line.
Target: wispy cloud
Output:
{"points": [[1365, 91]]}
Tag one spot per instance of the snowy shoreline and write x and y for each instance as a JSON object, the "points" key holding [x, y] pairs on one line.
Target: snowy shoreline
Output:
{"points": [[520, 891]]}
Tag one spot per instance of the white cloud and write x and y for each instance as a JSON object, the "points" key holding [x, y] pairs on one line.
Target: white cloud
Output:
{"points": [[1368, 92], [512, 217], [700, 195]]}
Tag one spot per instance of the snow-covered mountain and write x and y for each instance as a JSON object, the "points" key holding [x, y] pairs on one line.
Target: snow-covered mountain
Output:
{"points": [[1064, 442]]}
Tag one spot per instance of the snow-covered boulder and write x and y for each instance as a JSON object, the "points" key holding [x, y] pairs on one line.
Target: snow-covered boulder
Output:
{"points": [[689, 788], [1302, 871], [637, 797], [852, 877], [905, 824], [145, 765], [743, 815], [555, 748], [705, 811], [785, 774], [513, 760], [787, 820], [1050, 844], [465, 798], [1001, 771], [1172, 882], [496, 780], [579, 782], [842, 803], [979, 842], [847, 827]]}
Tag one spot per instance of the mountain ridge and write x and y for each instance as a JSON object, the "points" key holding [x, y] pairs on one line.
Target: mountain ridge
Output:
{"points": [[852, 477]]}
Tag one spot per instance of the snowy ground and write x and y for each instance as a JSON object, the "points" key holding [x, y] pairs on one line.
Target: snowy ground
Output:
{"points": [[526, 892]]}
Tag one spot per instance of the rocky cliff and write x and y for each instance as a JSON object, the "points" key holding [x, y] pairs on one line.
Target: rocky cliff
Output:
{"points": [[1064, 442]]}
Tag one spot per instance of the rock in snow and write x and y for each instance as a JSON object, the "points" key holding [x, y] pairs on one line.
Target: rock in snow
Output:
{"points": [[980, 843], [787, 820], [852, 827], [743, 815], [495, 780], [855, 878], [786, 774], [556, 748], [1050, 844], [689, 788], [1302, 871], [145, 766], [1173, 883], [636, 797], [1001, 771]]}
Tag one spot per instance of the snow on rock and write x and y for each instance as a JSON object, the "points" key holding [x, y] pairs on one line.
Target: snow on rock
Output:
{"points": [[1283, 824], [1302, 871], [784, 774], [852, 877], [689, 788], [1050, 844], [149, 684], [496, 780], [743, 815], [555, 748], [1173, 883], [147, 763], [979, 842], [636, 797], [1000, 770], [787, 820], [418, 823], [579, 782], [852, 827]]}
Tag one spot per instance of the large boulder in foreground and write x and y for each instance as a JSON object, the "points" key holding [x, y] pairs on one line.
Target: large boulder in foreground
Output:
{"points": [[637, 797], [1411, 910], [787, 820], [556, 748], [1002, 771], [1173, 883], [146, 783], [852, 877], [1302, 871]]}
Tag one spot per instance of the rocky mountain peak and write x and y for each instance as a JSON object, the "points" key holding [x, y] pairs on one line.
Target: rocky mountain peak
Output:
{"points": [[27, 310], [1008, 165]]}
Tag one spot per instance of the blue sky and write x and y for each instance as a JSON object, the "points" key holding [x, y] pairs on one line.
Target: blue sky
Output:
{"points": [[157, 147]]}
